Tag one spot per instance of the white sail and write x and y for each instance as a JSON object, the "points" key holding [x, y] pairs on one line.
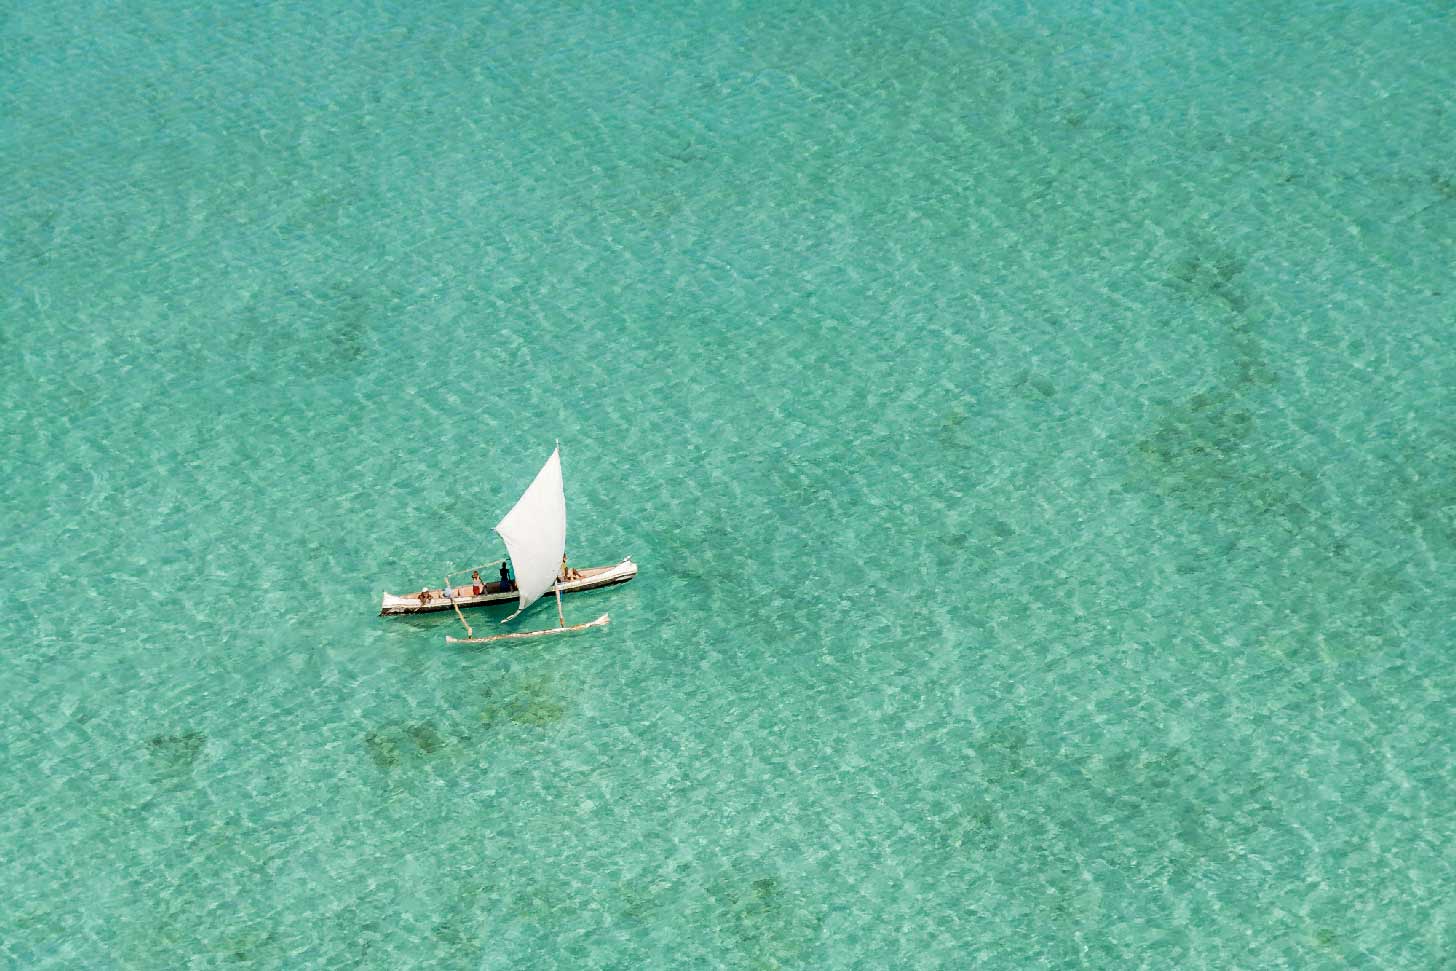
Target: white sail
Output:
{"points": [[535, 533]]}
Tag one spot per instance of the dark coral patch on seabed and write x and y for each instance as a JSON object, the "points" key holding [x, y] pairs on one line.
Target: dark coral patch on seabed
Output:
{"points": [[767, 923], [176, 753], [390, 745]]}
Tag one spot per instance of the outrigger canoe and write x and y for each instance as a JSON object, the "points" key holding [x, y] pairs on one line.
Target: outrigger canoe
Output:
{"points": [[592, 578]]}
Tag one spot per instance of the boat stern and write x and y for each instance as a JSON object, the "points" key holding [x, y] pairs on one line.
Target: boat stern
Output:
{"points": [[397, 605]]}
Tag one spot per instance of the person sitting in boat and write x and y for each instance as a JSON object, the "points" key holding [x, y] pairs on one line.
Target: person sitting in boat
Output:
{"points": [[567, 573], [424, 596], [505, 574], [449, 591], [477, 585]]}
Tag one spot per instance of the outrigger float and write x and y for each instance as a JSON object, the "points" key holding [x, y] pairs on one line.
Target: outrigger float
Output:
{"points": [[534, 532]]}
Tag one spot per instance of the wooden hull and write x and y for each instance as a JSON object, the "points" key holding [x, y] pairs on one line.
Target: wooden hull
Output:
{"points": [[593, 578]]}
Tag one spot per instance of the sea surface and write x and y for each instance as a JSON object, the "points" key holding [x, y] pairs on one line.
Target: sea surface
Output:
{"points": [[1035, 423]]}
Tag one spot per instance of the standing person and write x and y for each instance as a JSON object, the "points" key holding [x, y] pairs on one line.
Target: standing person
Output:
{"points": [[566, 572], [477, 586], [505, 575]]}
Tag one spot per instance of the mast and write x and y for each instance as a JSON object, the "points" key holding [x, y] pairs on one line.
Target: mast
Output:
{"points": [[556, 584]]}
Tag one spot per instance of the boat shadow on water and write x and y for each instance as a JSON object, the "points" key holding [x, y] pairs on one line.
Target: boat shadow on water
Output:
{"points": [[484, 619], [480, 615]]}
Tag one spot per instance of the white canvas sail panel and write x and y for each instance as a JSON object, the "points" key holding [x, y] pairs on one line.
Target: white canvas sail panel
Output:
{"points": [[534, 532]]}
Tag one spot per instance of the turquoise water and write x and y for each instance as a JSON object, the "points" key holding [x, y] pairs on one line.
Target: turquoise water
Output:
{"points": [[1034, 424]]}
